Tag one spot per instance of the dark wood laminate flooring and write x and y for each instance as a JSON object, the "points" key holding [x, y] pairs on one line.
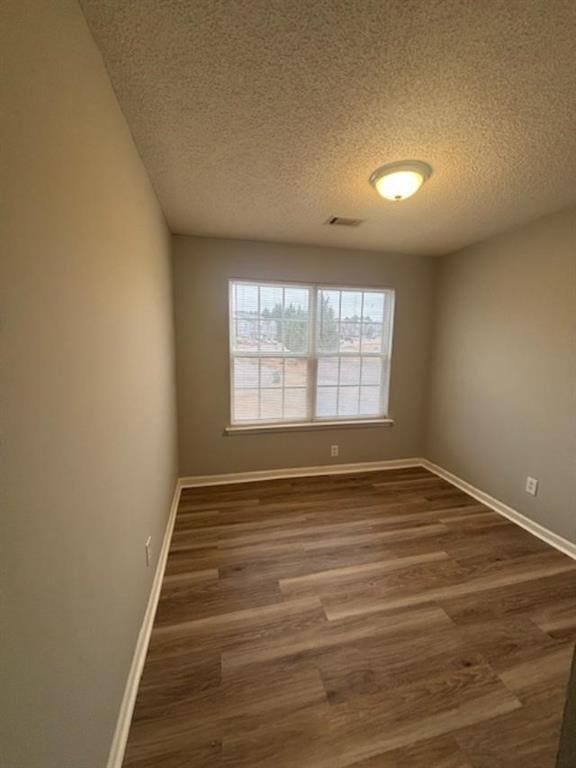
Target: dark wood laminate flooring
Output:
{"points": [[376, 620]]}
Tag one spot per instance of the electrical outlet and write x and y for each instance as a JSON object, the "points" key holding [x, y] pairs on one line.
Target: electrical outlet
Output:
{"points": [[148, 551], [531, 486], [334, 450]]}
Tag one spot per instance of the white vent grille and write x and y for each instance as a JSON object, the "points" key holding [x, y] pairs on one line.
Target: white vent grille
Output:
{"points": [[343, 221]]}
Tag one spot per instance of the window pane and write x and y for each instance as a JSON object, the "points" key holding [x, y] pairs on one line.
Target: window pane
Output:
{"points": [[348, 401], [271, 335], [327, 338], [372, 337], [326, 402], [271, 404], [328, 370], [271, 373], [350, 370], [245, 373], [351, 305], [295, 372], [295, 403], [246, 335], [328, 312], [373, 307], [246, 405], [296, 303], [271, 301], [329, 304], [350, 336], [246, 299], [370, 401], [371, 370], [295, 336]]}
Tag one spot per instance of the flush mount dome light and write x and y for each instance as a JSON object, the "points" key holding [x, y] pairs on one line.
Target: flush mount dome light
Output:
{"points": [[397, 181]]}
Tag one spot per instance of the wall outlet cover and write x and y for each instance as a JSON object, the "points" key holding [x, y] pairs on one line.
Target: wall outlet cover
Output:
{"points": [[148, 553], [531, 486]]}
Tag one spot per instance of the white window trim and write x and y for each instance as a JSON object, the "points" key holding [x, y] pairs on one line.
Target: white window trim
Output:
{"points": [[305, 426], [312, 356]]}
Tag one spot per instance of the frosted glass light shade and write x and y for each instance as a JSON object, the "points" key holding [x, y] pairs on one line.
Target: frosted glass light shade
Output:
{"points": [[398, 181]]}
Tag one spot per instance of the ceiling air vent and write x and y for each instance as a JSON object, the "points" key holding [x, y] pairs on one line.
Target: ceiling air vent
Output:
{"points": [[342, 221]]}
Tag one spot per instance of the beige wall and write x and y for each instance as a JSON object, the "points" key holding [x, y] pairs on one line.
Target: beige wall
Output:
{"points": [[87, 422], [503, 398], [202, 268]]}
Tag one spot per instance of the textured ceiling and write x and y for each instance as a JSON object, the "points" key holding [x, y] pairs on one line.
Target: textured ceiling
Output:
{"points": [[261, 118]]}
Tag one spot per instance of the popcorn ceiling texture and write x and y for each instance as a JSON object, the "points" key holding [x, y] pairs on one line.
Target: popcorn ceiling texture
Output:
{"points": [[260, 119]]}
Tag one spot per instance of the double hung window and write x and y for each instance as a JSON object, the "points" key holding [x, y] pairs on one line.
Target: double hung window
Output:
{"points": [[309, 353]]}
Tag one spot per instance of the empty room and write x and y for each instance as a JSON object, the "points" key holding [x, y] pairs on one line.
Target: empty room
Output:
{"points": [[288, 384]]}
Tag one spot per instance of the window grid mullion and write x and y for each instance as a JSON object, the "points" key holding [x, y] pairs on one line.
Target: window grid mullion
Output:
{"points": [[338, 389], [259, 350], [360, 360], [283, 339], [283, 319], [312, 367], [339, 355], [283, 387], [259, 321], [259, 388], [349, 354]]}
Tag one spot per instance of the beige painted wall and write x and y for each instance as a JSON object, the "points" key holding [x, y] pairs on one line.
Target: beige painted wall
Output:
{"points": [[202, 268], [87, 422], [503, 397]]}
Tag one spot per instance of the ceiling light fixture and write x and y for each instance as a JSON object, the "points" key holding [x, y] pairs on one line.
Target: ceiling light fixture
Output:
{"points": [[398, 181]]}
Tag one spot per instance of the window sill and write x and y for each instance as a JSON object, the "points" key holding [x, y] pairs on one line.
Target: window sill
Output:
{"points": [[306, 426]]}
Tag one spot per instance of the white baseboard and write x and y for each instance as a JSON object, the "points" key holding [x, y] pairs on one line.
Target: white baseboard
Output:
{"points": [[556, 541], [118, 747], [277, 474]]}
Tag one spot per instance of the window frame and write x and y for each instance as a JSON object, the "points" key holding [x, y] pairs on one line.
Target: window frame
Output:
{"points": [[312, 357]]}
